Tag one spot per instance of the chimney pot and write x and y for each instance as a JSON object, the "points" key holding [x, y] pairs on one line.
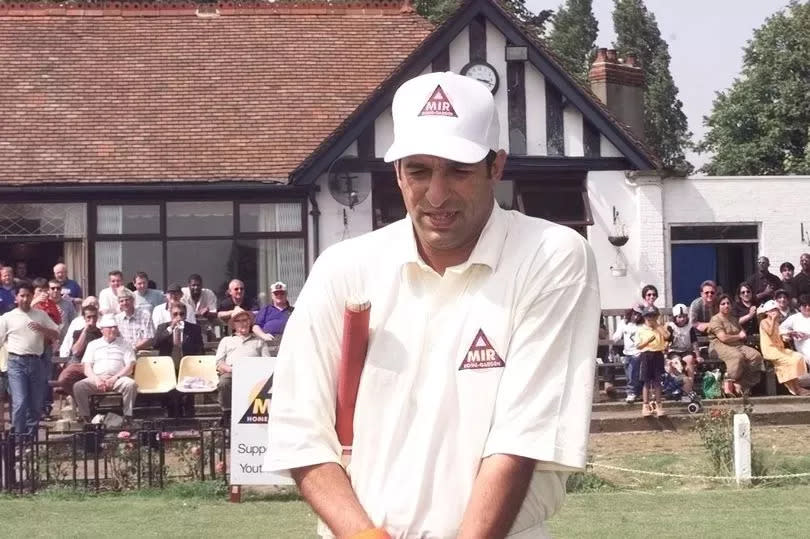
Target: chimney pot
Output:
{"points": [[601, 56], [612, 57], [620, 86], [631, 60]]}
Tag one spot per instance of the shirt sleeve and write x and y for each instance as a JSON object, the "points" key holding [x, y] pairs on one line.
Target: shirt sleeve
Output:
{"points": [[129, 356], [3, 329], [221, 352], [260, 318], [47, 322], [89, 354], [786, 326], [694, 313], [543, 406]]}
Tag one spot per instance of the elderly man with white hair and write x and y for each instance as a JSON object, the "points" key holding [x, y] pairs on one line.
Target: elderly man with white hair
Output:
{"points": [[69, 286], [108, 364]]}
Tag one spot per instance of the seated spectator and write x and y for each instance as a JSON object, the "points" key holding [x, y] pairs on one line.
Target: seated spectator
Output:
{"points": [[77, 324], [108, 364], [108, 297], [626, 332], [21, 272], [161, 313], [703, 308], [65, 305], [8, 294], [272, 319], [145, 297], [727, 340], [236, 298], [745, 309], [70, 288], [786, 308], [243, 343], [176, 339], [763, 282], [788, 284], [203, 304], [73, 370], [649, 294], [682, 352], [797, 327], [802, 279], [787, 364], [133, 325]]}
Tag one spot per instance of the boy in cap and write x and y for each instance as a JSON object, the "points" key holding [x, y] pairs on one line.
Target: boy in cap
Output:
{"points": [[469, 419], [682, 355]]}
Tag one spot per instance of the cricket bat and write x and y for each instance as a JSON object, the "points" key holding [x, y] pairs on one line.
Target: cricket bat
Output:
{"points": [[352, 359]]}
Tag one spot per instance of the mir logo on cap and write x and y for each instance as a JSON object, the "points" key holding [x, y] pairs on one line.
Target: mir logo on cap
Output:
{"points": [[438, 105]]}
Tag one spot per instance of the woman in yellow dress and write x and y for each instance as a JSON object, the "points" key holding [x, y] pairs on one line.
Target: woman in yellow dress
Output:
{"points": [[789, 365]]}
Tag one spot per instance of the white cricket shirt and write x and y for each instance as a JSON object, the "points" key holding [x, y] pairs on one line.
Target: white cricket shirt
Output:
{"points": [[495, 356], [21, 339]]}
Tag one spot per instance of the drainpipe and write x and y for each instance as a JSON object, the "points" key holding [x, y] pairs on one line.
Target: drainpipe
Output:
{"points": [[315, 212]]}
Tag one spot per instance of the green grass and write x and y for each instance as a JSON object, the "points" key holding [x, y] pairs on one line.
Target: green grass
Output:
{"points": [[201, 511]]}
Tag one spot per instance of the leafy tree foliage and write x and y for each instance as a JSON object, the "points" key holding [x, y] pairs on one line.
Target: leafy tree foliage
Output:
{"points": [[438, 10], [573, 36]]}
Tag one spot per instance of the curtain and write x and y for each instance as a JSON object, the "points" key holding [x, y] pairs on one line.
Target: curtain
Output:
{"points": [[76, 251], [109, 254]]}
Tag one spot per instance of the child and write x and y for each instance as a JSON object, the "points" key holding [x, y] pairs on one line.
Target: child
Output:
{"points": [[683, 356], [627, 331], [652, 341]]}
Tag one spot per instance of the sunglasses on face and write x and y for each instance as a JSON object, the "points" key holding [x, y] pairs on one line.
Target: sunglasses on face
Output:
{"points": [[55, 288], [708, 293], [178, 313], [745, 292]]}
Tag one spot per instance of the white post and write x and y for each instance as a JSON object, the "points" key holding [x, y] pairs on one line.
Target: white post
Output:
{"points": [[742, 449]]}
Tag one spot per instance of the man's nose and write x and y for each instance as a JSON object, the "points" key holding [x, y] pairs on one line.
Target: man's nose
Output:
{"points": [[438, 190]]}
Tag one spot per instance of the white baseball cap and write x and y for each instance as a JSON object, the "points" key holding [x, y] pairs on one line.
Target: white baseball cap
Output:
{"points": [[680, 310], [446, 115], [767, 306], [108, 321], [278, 286]]}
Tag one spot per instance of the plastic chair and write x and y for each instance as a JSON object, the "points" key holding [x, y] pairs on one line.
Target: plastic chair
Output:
{"points": [[155, 374], [204, 367]]}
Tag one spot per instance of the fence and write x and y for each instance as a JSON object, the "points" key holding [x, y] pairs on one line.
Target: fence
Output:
{"points": [[99, 459]]}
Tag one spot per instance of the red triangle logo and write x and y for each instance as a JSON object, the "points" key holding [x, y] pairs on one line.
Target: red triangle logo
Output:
{"points": [[438, 105], [481, 355]]}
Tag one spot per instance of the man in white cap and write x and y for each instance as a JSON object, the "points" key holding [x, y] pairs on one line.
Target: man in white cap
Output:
{"points": [[108, 365], [272, 319], [470, 418]]}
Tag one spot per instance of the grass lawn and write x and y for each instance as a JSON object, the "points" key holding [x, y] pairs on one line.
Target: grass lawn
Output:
{"points": [[721, 513]]}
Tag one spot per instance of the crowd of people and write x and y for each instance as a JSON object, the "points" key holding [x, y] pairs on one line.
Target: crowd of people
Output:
{"points": [[767, 320], [53, 337]]}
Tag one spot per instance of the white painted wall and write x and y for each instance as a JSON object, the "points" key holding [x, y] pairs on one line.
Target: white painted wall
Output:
{"points": [[606, 148], [460, 51], [572, 132], [358, 220], [383, 133], [496, 57], [535, 111]]}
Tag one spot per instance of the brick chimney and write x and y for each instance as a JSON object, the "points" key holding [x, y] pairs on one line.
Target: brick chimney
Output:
{"points": [[620, 86]]}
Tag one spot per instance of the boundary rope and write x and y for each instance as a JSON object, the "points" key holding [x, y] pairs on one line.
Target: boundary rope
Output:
{"points": [[684, 476]]}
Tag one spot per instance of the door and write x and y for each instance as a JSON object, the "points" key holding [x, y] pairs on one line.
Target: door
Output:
{"points": [[691, 265]]}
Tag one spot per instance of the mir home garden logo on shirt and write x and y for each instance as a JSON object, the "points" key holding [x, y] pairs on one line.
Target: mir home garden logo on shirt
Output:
{"points": [[481, 355]]}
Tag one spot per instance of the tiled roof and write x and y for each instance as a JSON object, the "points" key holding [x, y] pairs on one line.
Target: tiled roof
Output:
{"points": [[108, 95]]}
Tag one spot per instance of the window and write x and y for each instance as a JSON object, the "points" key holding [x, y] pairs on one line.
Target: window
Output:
{"points": [[134, 219], [129, 257], [199, 218], [562, 201], [262, 262], [714, 232], [212, 259], [386, 200], [283, 217]]}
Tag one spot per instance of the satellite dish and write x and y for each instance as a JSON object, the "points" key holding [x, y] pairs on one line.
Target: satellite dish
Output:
{"points": [[348, 188]]}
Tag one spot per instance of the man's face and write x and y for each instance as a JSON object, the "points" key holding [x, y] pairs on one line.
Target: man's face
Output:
{"points": [[54, 292], [109, 334], [804, 262], [173, 297], [241, 326], [449, 203], [24, 298], [21, 269], [41, 292], [708, 294], [7, 276], [91, 317], [177, 314], [763, 263], [782, 301], [115, 282], [805, 310], [141, 285], [126, 304], [787, 274], [280, 297], [195, 287], [237, 290], [60, 272]]}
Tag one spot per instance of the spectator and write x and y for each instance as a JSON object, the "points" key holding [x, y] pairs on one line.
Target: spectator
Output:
{"points": [[626, 332], [78, 340], [786, 308], [25, 331], [273, 318], [43, 301], [203, 304], [243, 343], [652, 341], [802, 280], [683, 348], [745, 309], [176, 339], [797, 327], [7, 293], [727, 340], [108, 364], [763, 282], [703, 308], [161, 313], [236, 298], [787, 364], [133, 325], [108, 298], [21, 272], [77, 324], [65, 305], [788, 284], [70, 288], [649, 294], [145, 297]]}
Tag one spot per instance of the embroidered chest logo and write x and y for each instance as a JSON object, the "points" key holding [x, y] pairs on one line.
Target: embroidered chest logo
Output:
{"points": [[481, 355], [438, 105]]}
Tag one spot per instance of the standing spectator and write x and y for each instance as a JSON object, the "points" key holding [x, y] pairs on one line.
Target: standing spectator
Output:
{"points": [[797, 327], [273, 318], [236, 298], [727, 340], [652, 341], [784, 304], [787, 364], [69, 287], [42, 301], [65, 305], [76, 325], [145, 297], [802, 279], [78, 339], [745, 309], [108, 297], [108, 364], [7, 293], [133, 325], [788, 284], [21, 272], [683, 347], [203, 302], [25, 332], [649, 294], [763, 282], [703, 308], [176, 339], [161, 313], [626, 332]]}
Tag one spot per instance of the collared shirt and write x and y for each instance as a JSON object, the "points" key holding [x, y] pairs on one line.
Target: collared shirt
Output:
{"points": [[800, 324], [23, 340], [161, 314], [68, 314], [8, 300], [135, 328], [272, 320], [149, 299], [108, 358], [108, 301], [92, 334], [802, 283], [499, 362], [699, 312], [51, 309], [759, 282], [235, 346], [207, 300]]}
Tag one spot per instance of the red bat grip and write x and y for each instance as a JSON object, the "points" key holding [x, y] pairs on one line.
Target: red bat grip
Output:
{"points": [[352, 359]]}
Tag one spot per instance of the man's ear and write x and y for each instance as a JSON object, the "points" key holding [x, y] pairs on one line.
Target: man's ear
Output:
{"points": [[498, 166]]}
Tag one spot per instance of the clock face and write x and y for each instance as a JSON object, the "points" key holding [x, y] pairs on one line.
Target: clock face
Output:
{"points": [[482, 72]]}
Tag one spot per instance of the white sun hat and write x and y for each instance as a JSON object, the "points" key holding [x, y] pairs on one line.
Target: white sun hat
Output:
{"points": [[446, 115]]}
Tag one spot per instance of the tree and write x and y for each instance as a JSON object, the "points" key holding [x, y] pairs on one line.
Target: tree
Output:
{"points": [[437, 11], [573, 36], [665, 127], [761, 125]]}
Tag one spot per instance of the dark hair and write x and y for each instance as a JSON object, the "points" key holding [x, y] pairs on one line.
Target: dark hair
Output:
{"points": [[804, 299], [195, 277], [89, 309], [781, 292], [115, 272], [39, 282], [25, 285], [648, 288], [706, 283], [54, 281], [180, 305], [724, 297], [142, 274], [786, 266], [744, 285]]}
